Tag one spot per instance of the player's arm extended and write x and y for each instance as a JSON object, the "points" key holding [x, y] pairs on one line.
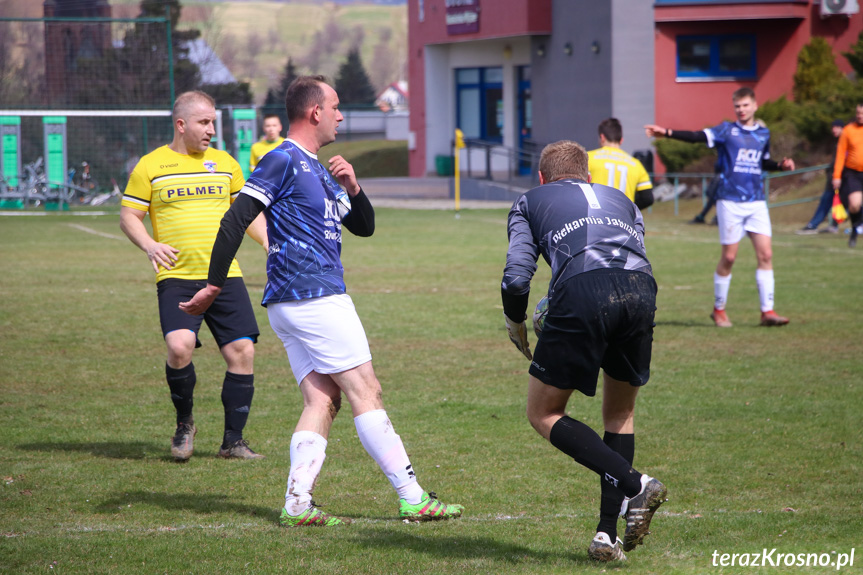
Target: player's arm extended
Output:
{"points": [[686, 136], [237, 219], [360, 221], [654, 131]]}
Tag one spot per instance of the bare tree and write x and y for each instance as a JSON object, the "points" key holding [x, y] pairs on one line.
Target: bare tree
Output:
{"points": [[384, 67]]}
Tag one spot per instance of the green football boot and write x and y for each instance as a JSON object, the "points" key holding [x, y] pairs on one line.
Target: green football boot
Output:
{"points": [[430, 508]]}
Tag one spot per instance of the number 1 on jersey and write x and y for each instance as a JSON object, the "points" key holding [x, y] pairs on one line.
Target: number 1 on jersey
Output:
{"points": [[621, 185]]}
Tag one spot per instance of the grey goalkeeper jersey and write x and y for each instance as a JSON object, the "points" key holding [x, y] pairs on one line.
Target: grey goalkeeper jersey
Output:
{"points": [[577, 227]]}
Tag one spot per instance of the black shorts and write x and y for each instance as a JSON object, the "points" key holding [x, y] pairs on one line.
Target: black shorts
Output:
{"points": [[599, 319], [229, 318], [852, 181]]}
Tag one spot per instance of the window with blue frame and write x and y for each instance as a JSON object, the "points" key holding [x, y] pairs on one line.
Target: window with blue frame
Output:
{"points": [[479, 103], [730, 56]]}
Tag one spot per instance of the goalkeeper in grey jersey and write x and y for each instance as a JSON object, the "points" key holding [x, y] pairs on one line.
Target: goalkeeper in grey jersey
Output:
{"points": [[602, 300]]}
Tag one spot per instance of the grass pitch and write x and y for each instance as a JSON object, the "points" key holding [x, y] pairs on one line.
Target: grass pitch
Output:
{"points": [[755, 431]]}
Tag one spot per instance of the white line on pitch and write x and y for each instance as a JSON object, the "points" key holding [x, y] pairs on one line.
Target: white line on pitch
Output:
{"points": [[96, 232]]}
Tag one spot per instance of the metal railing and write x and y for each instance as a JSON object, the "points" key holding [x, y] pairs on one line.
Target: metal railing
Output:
{"points": [[500, 163], [675, 177]]}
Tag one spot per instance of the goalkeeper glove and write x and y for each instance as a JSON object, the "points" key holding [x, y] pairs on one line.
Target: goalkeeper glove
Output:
{"points": [[518, 335]]}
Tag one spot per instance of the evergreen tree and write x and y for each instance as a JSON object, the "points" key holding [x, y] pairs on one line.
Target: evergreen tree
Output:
{"points": [[352, 82], [816, 68], [231, 94], [855, 57], [276, 96]]}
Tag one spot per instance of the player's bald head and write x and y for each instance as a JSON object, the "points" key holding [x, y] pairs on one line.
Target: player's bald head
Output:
{"points": [[187, 101], [562, 160]]}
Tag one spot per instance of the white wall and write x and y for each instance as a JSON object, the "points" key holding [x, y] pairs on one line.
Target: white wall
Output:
{"points": [[440, 63]]}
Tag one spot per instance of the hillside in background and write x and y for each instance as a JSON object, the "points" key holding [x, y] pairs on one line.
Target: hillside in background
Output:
{"points": [[255, 39]]}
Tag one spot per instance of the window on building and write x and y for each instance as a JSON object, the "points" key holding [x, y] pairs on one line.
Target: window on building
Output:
{"points": [[715, 57], [479, 103]]}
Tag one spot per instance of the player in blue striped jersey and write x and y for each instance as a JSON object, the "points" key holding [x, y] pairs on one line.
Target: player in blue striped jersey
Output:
{"points": [[743, 149], [308, 306]]}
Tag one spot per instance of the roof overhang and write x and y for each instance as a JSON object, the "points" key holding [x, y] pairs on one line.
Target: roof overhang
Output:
{"points": [[729, 10]]}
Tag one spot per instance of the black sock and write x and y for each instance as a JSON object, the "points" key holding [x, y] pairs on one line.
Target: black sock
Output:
{"points": [[584, 445], [181, 382], [612, 497], [237, 392]]}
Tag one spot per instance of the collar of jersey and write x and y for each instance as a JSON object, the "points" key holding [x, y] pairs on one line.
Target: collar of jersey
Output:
{"points": [[308, 153], [741, 126]]}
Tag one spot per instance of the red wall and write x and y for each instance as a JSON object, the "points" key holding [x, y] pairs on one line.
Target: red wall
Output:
{"points": [[695, 105], [839, 31]]}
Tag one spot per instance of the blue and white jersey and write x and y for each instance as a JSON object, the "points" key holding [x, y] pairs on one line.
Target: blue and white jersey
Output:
{"points": [[740, 150], [304, 211]]}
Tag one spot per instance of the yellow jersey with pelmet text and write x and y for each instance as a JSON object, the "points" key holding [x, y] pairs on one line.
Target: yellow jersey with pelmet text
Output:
{"points": [[186, 197], [615, 168]]}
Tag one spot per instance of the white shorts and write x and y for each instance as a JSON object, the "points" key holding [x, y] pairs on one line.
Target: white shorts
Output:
{"points": [[736, 219], [322, 334]]}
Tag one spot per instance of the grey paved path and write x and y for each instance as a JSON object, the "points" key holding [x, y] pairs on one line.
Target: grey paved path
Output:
{"points": [[419, 194]]}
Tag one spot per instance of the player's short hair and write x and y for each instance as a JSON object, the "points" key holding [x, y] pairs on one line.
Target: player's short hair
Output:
{"points": [[304, 93], [744, 92], [186, 100], [611, 130], [268, 116], [563, 159]]}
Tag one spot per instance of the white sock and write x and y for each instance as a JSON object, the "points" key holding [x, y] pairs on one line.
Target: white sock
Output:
{"points": [[720, 290], [308, 451], [764, 279], [386, 448]]}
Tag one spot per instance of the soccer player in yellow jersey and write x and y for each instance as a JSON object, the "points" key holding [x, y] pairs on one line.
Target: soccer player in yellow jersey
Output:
{"points": [[272, 138], [186, 187], [611, 166]]}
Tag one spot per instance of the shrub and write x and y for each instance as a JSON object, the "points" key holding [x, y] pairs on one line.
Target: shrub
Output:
{"points": [[816, 67], [855, 56], [676, 155]]}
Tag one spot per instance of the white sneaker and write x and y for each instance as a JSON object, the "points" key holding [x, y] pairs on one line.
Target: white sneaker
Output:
{"points": [[601, 549]]}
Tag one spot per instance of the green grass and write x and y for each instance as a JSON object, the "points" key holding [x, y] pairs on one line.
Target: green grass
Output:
{"points": [[755, 431], [371, 158]]}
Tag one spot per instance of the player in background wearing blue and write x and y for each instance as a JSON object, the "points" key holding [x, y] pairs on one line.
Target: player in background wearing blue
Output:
{"points": [[743, 149], [308, 306], [601, 306]]}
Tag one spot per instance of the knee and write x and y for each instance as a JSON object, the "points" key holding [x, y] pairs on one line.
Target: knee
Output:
{"points": [[239, 355], [326, 404], [728, 260], [618, 420], [539, 419], [179, 355]]}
